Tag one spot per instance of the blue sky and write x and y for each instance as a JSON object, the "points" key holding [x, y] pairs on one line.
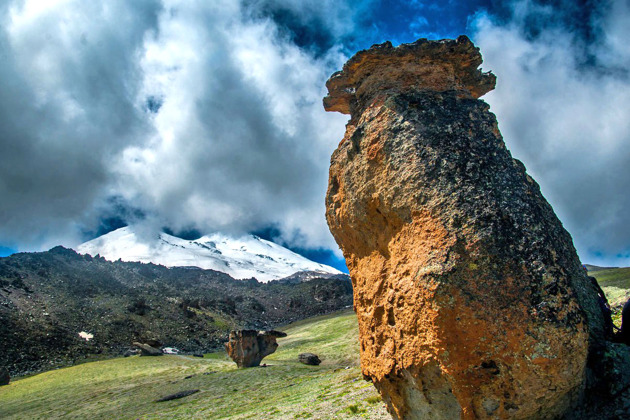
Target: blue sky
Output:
{"points": [[207, 116]]}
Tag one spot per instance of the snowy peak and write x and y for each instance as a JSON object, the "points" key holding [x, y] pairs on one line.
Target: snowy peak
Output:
{"points": [[242, 258]]}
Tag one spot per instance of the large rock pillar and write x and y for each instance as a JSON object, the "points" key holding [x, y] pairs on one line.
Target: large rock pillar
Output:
{"points": [[470, 296]]}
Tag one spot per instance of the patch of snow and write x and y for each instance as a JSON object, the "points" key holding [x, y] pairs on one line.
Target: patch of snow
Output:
{"points": [[86, 335]]}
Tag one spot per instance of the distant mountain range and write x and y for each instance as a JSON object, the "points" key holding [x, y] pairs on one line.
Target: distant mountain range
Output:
{"points": [[594, 268], [242, 258]]}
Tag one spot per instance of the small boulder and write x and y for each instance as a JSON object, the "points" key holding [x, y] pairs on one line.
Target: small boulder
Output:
{"points": [[131, 352], [5, 378], [178, 395], [147, 350], [248, 347], [309, 359]]}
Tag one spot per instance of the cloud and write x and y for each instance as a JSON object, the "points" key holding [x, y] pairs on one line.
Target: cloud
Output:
{"points": [[67, 83], [241, 138], [189, 115], [562, 101], [203, 116]]}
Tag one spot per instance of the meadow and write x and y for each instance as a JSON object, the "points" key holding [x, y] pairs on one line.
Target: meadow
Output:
{"points": [[126, 388]]}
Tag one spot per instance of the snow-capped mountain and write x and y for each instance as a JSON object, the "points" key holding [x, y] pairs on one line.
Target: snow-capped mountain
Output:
{"points": [[242, 258]]}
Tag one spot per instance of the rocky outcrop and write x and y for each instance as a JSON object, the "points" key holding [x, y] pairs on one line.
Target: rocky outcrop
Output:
{"points": [[147, 350], [624, 334], [309, 359], [248, 347], [5, 377], [470, 297], [422, 66]]}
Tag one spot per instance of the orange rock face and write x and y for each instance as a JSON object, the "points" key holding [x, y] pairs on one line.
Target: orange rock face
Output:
{"points": [[471, 299]]}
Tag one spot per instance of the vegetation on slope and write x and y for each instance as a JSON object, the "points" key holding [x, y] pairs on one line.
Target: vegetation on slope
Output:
{"points": [[126, 388], [48, 298], [615, 282]]}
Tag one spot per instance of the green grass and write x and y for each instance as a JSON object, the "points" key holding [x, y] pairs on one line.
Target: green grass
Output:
{"points": [[615, 282], [126, 388]]}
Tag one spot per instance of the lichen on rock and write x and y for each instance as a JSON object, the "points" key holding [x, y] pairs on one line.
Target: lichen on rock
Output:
{"points": [[470, 296]]}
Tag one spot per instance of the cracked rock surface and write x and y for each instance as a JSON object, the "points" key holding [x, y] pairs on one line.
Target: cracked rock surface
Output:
{"points": [[470, 296], [248, 347]]}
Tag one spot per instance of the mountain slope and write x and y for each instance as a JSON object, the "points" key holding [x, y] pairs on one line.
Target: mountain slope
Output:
{"points": [[241, 258], [615, 282], [285, 389], [48, 298]]}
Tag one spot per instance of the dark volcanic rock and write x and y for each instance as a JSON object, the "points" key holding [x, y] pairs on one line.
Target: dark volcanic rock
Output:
{"points": [[309, 359], [147, 350], [248, 347], [178, 395], [624, 334], [131, 352], [471, 299], [5, 378]]}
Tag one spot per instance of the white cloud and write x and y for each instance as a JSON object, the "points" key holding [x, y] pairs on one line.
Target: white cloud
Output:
{"points": [[242, 139], [67, 79], [199, 114], [565, 115]]}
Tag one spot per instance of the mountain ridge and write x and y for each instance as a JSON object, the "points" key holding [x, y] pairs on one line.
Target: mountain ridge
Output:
{"points": [[242, 258]]}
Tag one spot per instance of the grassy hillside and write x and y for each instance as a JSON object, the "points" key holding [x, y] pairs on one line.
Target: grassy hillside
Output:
{"points": [[48, 298], [126, 388], [615, 282]]}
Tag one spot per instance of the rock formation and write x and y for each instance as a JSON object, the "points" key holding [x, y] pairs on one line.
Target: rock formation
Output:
{"points": [[147, 350], [177, 395], [309, 359], [470, 297], [5, 377], [248, 347]]}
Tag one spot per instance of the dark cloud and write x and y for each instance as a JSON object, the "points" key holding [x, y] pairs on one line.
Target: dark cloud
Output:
{"points": [[67, 83], [113, 213], [307, 29]]}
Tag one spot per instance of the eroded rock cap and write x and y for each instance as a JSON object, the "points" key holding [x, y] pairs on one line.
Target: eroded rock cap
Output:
{"points": [[444, 65]]}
